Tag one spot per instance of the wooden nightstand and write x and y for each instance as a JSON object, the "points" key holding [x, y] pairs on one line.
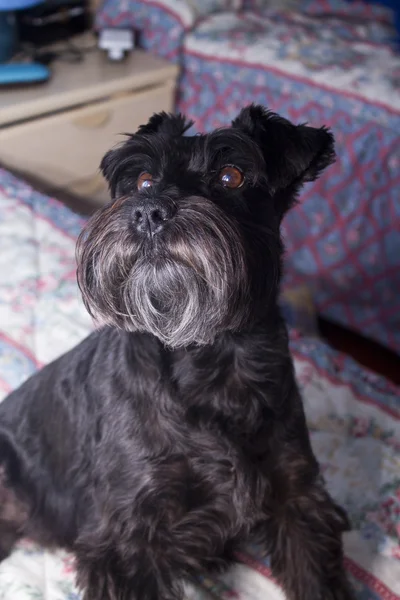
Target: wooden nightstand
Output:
{"points": [[59, 131]]}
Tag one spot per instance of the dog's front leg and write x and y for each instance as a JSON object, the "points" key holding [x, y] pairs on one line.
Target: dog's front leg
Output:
{"points": [[112, 581], [305, 525], [134, 571], [306, 552]]}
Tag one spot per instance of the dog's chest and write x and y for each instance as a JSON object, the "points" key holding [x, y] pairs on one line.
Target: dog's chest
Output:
{"points": [[204, 464], [170, 467], [202, 474], [179, 441]]}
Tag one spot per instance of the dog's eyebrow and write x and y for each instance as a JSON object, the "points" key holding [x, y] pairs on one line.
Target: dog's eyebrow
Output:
{"points": [[197, 162]]}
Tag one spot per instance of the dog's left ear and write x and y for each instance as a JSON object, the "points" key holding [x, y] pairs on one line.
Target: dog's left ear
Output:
{"points": [[293, 154]]}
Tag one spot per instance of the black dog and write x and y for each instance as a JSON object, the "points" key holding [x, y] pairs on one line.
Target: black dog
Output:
{"points": [[174, 434]]}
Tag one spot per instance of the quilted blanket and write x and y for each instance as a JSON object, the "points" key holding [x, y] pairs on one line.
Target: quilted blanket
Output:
{"points": [[353, 414]]}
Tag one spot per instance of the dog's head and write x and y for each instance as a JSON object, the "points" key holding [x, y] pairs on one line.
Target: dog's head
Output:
{"points": [[189, 245]]}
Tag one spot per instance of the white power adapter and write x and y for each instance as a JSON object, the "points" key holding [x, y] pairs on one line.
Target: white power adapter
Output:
{"points": [[116, 42]]}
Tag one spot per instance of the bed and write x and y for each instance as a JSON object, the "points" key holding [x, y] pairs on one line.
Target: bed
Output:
{"points": [[354, 415]]}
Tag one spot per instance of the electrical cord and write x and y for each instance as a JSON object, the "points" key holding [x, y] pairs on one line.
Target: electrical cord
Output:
{"points": [[67, 51]]}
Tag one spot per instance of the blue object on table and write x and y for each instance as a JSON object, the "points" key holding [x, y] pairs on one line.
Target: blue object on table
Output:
{"points": [[8, 35], [16, 73], [13, 74], [8, 26]]}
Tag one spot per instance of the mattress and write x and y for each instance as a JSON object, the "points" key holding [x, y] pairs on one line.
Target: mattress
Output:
{"points": [[354, 415]]}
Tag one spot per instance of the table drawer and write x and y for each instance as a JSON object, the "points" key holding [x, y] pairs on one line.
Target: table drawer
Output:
{"points": [[93, 188], [67, 147]]}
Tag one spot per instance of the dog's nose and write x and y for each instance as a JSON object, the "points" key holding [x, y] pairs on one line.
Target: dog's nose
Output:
{"points": [[150, 217]]}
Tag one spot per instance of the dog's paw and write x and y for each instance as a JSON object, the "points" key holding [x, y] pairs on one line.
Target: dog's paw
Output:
{"points": [[339, 589]]}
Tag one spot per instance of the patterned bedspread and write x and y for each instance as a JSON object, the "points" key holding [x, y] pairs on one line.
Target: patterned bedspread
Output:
{"points": [[354, 415]]}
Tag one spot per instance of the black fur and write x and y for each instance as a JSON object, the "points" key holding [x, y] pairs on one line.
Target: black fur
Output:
{"points": [[175, 433]]}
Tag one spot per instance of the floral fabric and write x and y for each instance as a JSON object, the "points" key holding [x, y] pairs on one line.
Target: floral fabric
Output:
{"points": [[160, 24], [339, 54]]}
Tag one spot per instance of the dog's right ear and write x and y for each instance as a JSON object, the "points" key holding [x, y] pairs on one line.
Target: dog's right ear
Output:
{"points": [[107, 167], [166, 123]]}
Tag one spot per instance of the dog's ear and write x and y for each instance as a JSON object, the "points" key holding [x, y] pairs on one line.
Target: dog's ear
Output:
{"points": [[293, 154], [108, 165], [166, 123]]}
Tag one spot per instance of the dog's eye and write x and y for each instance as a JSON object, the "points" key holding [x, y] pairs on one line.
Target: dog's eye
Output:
{"points": [[231, 177], [145, 180]]}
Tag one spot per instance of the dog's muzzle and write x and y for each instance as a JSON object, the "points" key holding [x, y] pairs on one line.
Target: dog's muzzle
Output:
{"points": [[186, 287]]}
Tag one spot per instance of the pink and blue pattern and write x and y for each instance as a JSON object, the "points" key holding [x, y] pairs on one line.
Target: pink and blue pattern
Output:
{"points": [[161, 25]]}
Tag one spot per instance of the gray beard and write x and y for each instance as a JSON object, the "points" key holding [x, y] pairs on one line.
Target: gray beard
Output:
{"points": [[185, 290]]}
